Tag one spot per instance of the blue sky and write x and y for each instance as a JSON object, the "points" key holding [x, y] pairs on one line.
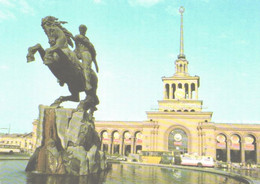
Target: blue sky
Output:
{"points": [[137, 42]]}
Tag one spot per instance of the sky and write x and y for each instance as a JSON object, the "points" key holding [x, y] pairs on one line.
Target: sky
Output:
{"points": [[137, 43]]}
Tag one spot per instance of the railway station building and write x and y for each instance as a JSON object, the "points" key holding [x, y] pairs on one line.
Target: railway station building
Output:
{"points": [[181, 124]]}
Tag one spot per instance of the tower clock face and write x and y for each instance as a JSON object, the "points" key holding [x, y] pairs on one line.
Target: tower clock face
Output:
{"points": [[180, 93], [177, 137]]}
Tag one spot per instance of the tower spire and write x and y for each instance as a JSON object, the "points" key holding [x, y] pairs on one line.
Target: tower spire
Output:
{"points": [[181, 55]]}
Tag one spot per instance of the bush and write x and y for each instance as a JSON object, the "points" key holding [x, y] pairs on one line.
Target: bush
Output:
{"points": [[177, 160], [134, 160], [250, 162], [166, 160]]}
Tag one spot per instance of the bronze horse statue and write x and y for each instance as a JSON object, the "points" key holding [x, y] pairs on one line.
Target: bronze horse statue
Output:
{"points": [[65, 65]]}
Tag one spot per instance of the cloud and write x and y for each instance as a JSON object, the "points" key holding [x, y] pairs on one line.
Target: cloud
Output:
{"points": [[101, 2], [223, 35], [145, 3], [25, 7], [4, 67], [242, 42], [6, 3], [97, 1], [10, 8], [6, 15]]}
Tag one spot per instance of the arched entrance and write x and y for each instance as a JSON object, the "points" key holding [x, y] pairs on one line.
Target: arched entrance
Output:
{"points": [[221, 152], [235, 148], [104, 141], [115, 143], [178, 140], [250, 149], [138, 142], [127, 143]]}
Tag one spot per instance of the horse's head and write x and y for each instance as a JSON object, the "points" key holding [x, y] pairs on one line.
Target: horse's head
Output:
{"points": [[48, 25], [48, 22]]}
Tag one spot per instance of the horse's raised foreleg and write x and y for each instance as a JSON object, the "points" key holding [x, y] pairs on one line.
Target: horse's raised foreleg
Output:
{"points": [[74, 98], [32, 50]]}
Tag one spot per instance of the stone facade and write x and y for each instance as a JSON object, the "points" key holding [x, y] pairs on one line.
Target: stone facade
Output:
{"points": [[24, 141], [202, 136]]}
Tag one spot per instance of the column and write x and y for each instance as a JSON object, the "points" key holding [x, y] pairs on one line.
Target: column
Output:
{"points": [[186, 68], [196, 89], [215, 151], [156, 127], [228, 149], [199, 142], [189, 91], [150, 137], [170, 91], [173, 91], [242, 149], [112, 148], [154, 140], [204, 148], [133, 144], [202, 143], [165, 92], [258, 152], [110, 144], [120, 145], [123, 146]]}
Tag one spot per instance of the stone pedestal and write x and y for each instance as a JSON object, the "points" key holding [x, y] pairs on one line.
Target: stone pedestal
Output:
{"points": [[67, 143]]}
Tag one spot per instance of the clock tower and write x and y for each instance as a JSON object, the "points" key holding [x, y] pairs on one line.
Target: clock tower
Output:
{"points": [[179, 119], [181, 89]]}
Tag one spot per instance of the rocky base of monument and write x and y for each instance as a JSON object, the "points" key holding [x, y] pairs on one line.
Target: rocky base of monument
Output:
{"points": [[67, 143]]}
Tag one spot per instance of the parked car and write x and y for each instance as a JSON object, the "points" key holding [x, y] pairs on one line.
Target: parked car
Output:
{"points": [[199, 161], [121, 158]]}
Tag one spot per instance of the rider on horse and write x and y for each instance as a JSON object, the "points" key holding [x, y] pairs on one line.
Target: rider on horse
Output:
{"points": [[65, 64], [86, 52]]}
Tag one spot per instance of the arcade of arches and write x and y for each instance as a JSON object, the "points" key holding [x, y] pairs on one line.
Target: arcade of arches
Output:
{"points": [[121, 142], [236, 149], [224, 142]]}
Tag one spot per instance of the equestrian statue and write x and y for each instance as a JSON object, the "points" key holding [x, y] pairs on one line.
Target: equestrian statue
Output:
{"points": [[65, 64]]}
